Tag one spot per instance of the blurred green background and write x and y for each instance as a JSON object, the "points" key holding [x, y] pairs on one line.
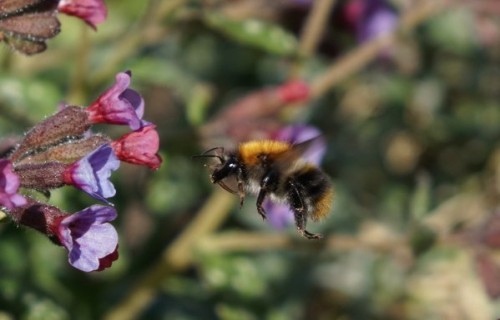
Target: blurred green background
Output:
{"points": [[413, 151]]}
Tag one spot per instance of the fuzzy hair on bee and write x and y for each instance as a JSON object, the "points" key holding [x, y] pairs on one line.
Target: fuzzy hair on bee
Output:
{"points": [[276, 170]]}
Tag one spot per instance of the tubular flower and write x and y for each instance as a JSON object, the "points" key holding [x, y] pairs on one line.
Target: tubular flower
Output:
{"points": [[9, 184], [90, 240], [91, 173], [118, 105], [280, 215], [92, 12], [139, 147]]}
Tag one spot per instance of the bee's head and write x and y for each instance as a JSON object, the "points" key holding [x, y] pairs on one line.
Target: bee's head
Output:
{"points": [[224, 166], [227, 167]]}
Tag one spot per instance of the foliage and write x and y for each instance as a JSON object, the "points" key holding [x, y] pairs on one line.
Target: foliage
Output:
{"points": [[413, 135]]}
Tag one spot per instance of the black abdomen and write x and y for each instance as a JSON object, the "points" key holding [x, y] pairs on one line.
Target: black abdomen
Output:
{"points": [[315, 191]]}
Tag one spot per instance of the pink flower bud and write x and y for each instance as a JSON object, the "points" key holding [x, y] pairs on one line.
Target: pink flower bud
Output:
{"points": [[139, 147], [92, 12]]}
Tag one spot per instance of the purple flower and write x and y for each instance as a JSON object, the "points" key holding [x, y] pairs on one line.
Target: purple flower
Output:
{"points": [[377, 18], [119, 105], [91, 173], [91, 11], [89, 239], [91, 242], [9, 184], [280, 215]]}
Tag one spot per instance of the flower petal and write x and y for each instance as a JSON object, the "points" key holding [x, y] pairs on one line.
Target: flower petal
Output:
{"points": [[88, 237], [92, 12], [91, 173], [119, 105]]}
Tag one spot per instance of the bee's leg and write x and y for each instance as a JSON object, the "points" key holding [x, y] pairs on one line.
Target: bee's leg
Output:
{"points": [[267, 184], [260, 200], [299, 212], [241, 191]]}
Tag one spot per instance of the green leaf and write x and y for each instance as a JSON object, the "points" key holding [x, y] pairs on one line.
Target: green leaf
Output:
{"points": [[256, 33]]}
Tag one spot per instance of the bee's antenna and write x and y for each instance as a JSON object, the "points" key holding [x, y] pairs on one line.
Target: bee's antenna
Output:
{"points": [[205, 155]]}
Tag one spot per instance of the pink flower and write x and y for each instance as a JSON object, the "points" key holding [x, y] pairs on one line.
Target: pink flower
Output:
{"points": [[92, 12], [9, 184], [118, 105], [139, 147]]}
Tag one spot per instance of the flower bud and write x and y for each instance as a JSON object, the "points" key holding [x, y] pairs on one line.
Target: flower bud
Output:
{"points": [[68, 152], [139, 147], [69, 122], [42, 176]]}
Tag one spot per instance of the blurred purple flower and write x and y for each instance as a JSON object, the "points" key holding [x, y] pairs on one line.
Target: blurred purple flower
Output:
{"points": [[91, 173], [89, 239], [91, 11], [9, 184], [119, 105], [280, 215], [377, 18]]}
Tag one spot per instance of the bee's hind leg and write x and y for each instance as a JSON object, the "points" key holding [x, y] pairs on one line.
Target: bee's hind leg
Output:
{"points": [[300, 212]]}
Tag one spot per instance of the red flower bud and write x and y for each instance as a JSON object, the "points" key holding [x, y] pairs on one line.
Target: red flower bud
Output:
{"points": [[139, 147]]}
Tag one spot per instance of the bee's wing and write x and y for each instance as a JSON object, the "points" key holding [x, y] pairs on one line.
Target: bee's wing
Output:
{"points": [[297, 151]]}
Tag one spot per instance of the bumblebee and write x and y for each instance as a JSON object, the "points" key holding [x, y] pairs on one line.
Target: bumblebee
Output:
{"points": [[275, 169]]}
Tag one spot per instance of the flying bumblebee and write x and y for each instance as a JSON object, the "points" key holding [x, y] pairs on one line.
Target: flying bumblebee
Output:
{"points": [[275, 169]]}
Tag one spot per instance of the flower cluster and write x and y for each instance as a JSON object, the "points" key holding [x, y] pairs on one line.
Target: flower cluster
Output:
{"points": [[61, 150], [26, 25]]}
